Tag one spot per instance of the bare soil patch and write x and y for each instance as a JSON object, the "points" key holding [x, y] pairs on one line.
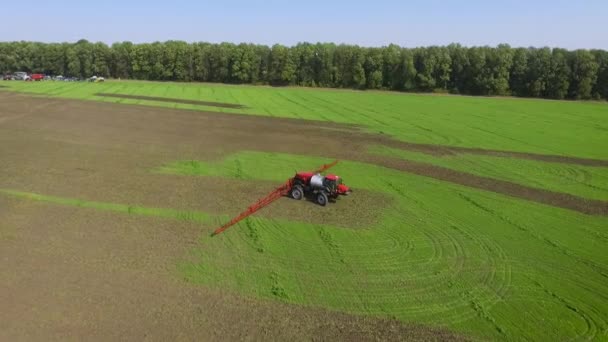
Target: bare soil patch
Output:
{"points": [[172, 100]]}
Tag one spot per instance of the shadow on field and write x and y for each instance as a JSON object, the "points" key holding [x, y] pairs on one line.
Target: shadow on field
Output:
{"points": [[172, 100]]}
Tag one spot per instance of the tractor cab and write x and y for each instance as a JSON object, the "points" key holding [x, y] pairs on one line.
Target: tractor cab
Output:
{"points": [[334, 184]]}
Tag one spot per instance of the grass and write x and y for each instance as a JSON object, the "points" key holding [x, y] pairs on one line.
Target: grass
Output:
{"points": [[195, 216], [480, 263]]}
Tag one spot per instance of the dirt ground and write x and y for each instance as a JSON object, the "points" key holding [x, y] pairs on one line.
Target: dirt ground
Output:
{"points": [[69, 273]]}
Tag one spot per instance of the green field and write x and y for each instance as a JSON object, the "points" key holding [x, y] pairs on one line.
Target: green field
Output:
{"points": [[483, 264]]}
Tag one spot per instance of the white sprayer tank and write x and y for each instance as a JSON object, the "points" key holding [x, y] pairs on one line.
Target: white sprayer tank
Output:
{"points": [[316, 181]]}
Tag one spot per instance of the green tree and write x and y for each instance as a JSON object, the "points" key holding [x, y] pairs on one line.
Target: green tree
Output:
{"points": [[584, 74], [84, 53], [282, 66], [600, 90], [407, 70], [373, 67], [121, 64], [141, 63], [245, 64], [498, 63], [392, 61], [426, 61], [518, 80], [73, 63], [263, 57], [101, 59], [558, 80], [304, 54], [539, 69], [322, 64], [443, 69], [460, 64], [476, 73]]}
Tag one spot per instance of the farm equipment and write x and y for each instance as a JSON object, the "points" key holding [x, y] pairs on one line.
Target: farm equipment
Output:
{"points": [[304, 184]]}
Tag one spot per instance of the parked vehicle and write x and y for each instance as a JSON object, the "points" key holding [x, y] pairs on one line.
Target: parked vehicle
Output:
{"points": [[37, 77], [7, 77], [20, 76], [96, 79]]}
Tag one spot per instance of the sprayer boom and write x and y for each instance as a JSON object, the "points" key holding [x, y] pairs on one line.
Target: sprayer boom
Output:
{"points": [[277, 193]]}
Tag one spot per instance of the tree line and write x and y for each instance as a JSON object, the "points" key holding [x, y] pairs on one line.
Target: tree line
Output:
{"points": [[502, 70]]}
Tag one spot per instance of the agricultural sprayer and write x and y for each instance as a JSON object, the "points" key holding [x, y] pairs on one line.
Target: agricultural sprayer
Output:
{"points": [[311, 185]]}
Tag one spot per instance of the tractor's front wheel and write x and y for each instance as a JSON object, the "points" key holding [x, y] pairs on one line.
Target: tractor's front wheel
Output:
{"points": [[297, 192], [322, 199]]}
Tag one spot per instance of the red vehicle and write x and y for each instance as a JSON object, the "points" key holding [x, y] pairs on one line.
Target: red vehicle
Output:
{"points": [[321, 188], [310, 184], [37, 77]]}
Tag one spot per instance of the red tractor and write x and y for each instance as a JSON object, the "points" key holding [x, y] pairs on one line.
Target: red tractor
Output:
{"points": [[321, 188], [310, 184]]}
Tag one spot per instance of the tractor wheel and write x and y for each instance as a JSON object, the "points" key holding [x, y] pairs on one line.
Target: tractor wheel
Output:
{"points": [[322, 199], [297, 192]]}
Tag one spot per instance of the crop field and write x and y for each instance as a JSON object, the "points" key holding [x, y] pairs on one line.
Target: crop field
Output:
{"points": [[471, 218]]}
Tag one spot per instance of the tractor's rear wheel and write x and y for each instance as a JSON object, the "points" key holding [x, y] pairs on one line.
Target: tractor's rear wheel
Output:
{"points": [[297, 192], [322, 199]]}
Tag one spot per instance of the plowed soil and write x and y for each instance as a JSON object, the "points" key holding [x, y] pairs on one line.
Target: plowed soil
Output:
{"points": [[83, 274]]}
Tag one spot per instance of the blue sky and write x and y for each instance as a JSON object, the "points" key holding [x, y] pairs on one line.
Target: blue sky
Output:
{"points": [[570, 24]]}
